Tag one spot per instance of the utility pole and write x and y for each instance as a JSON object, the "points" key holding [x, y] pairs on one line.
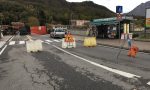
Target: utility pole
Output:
{"points": [[0, 28]]}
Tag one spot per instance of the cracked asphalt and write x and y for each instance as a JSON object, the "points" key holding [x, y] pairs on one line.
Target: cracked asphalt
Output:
{"points": [[52, 69]]}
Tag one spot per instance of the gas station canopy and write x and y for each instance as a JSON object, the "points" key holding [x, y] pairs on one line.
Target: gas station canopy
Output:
{"points": [[109, 21]]}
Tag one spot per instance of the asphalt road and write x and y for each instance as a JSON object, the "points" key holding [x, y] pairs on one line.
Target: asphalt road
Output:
{"points": [[80, 68]]}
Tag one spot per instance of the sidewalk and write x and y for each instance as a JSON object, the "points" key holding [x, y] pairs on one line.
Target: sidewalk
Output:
{"points": [[143, 46], [4, 40]]}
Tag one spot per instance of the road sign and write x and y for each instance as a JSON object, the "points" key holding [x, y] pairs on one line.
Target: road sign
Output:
{"points": [[119, 17], [148, 18], [119, 9]]}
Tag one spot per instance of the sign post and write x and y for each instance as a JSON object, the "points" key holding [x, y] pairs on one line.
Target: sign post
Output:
{"points": [[147, 25], [119, 10], [148, 18]]}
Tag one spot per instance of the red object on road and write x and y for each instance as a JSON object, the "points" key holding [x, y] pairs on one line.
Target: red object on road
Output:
{"points": [[133, 51], [40, 30]]}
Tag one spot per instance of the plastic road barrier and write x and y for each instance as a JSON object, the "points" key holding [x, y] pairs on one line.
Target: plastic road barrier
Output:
{"points": [[34, 46], [90, 42], [67, 44], [38, 45]]}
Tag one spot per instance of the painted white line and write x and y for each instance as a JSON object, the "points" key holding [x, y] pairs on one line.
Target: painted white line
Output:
{"points": [[3, 50], [2, 43], [48, 41], [42, 41], [56, 40], [21, 42], [11, 39], [12, 43], [122, 73], [148, 83]]}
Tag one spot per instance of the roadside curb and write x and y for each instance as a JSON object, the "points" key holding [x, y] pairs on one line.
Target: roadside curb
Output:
{"points": [[144, 51], [141, 40]]}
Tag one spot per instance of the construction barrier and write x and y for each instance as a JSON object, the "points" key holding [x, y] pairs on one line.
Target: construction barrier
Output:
{"points": [[68, 41], [90, 42], [68, 44], [133, 51], [34, 46]]}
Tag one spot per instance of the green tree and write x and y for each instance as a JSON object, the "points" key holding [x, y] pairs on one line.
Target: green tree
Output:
{"points": [[33, 21]]}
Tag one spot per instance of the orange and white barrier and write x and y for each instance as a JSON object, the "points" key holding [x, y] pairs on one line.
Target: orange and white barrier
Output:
{"points": [[68, 41]]}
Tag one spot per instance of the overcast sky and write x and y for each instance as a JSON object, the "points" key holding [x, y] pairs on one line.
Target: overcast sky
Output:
{"points": [[128, 5]]}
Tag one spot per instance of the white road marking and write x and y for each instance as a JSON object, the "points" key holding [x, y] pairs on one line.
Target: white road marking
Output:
{"points": [[56, 40], [21, 42], [42, 41], [3, 50], [11, 38], [122, 73], [12, 43], [2, 43], [148, 83], [49, 41]]}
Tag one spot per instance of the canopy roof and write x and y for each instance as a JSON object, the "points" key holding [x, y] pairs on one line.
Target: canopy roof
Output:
{"points": [[110, 21]]}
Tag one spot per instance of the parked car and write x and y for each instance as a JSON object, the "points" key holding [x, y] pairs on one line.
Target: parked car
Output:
{"points": [[60, 33]]}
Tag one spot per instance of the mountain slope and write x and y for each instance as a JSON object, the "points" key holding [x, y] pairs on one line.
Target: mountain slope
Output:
{"points": [[59, 11], [140, 10]]}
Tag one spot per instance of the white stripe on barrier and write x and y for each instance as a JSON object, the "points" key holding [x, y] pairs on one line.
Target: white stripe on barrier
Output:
{"points": [[122, 73], [21, 42], [12, 43]]}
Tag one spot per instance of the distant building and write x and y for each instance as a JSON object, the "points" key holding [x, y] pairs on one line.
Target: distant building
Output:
{"points": [[79, 22], [112, 27], [17, 25]]}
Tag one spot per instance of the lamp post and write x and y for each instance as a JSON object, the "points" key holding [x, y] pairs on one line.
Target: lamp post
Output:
{"points": [[1, 17], [0, 28]]}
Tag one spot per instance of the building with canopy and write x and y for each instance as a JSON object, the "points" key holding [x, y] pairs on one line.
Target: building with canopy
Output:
{"points": [[112, 27]]}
